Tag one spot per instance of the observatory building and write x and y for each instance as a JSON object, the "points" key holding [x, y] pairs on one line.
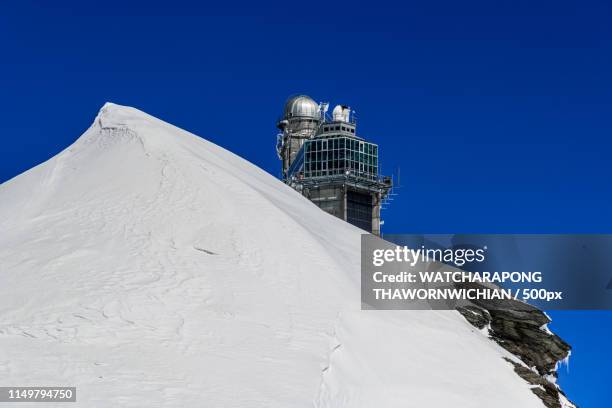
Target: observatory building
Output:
{"points": [[326, 161]]}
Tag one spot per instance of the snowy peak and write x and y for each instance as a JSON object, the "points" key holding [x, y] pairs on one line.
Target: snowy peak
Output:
{"points": [[143, 258], [120, 122], [112, 115], [117, 123]]}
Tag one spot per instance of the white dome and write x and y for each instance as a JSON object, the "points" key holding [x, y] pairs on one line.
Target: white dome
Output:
{"points": [[341, 113], [301, 106]]}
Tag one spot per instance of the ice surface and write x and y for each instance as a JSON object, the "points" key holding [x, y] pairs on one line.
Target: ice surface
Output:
{"points": [[149, 267]]}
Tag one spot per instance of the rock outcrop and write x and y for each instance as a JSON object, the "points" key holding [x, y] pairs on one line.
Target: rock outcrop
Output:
{"points": [[521, 329]]}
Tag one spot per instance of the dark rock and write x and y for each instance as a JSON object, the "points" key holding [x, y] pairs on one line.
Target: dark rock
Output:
{"points": [[545, 390], [521, 334], [478, 317], [518, 328]]}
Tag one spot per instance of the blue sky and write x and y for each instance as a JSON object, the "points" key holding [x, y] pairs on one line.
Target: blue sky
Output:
{"points": [[497, 113]]}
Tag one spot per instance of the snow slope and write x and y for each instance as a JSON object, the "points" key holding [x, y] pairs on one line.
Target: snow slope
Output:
{"points": [[149, 267]]}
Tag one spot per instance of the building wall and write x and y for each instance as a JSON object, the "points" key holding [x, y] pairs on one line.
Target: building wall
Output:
{"points": [[361, 209], [329, 198], [299, 130]]}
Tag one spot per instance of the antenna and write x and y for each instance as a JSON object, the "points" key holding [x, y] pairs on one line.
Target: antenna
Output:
{"points": [[324, 108]]}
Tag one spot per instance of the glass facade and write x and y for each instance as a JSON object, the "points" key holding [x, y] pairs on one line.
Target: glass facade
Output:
{"points": [[359, 210], [338, 155]]}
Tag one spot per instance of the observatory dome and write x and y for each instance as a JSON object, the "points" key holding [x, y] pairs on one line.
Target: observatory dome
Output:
{"points": [[301, 106]]}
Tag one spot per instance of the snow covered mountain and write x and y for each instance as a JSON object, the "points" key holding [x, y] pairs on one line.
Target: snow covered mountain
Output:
{"points": [[149, 267]]}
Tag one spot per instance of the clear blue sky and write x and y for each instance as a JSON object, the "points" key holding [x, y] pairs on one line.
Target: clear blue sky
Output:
{"points": [[497, 112]]}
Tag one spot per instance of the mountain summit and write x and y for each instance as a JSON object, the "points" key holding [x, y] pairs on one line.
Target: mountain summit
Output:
{"points": [[149, 267]]}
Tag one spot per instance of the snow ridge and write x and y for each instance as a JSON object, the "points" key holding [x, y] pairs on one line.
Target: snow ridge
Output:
{"points": [[149, 267]]}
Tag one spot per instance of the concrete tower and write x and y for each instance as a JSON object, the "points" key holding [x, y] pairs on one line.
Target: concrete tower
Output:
{"points": [[300, 121], [325, 160]]}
